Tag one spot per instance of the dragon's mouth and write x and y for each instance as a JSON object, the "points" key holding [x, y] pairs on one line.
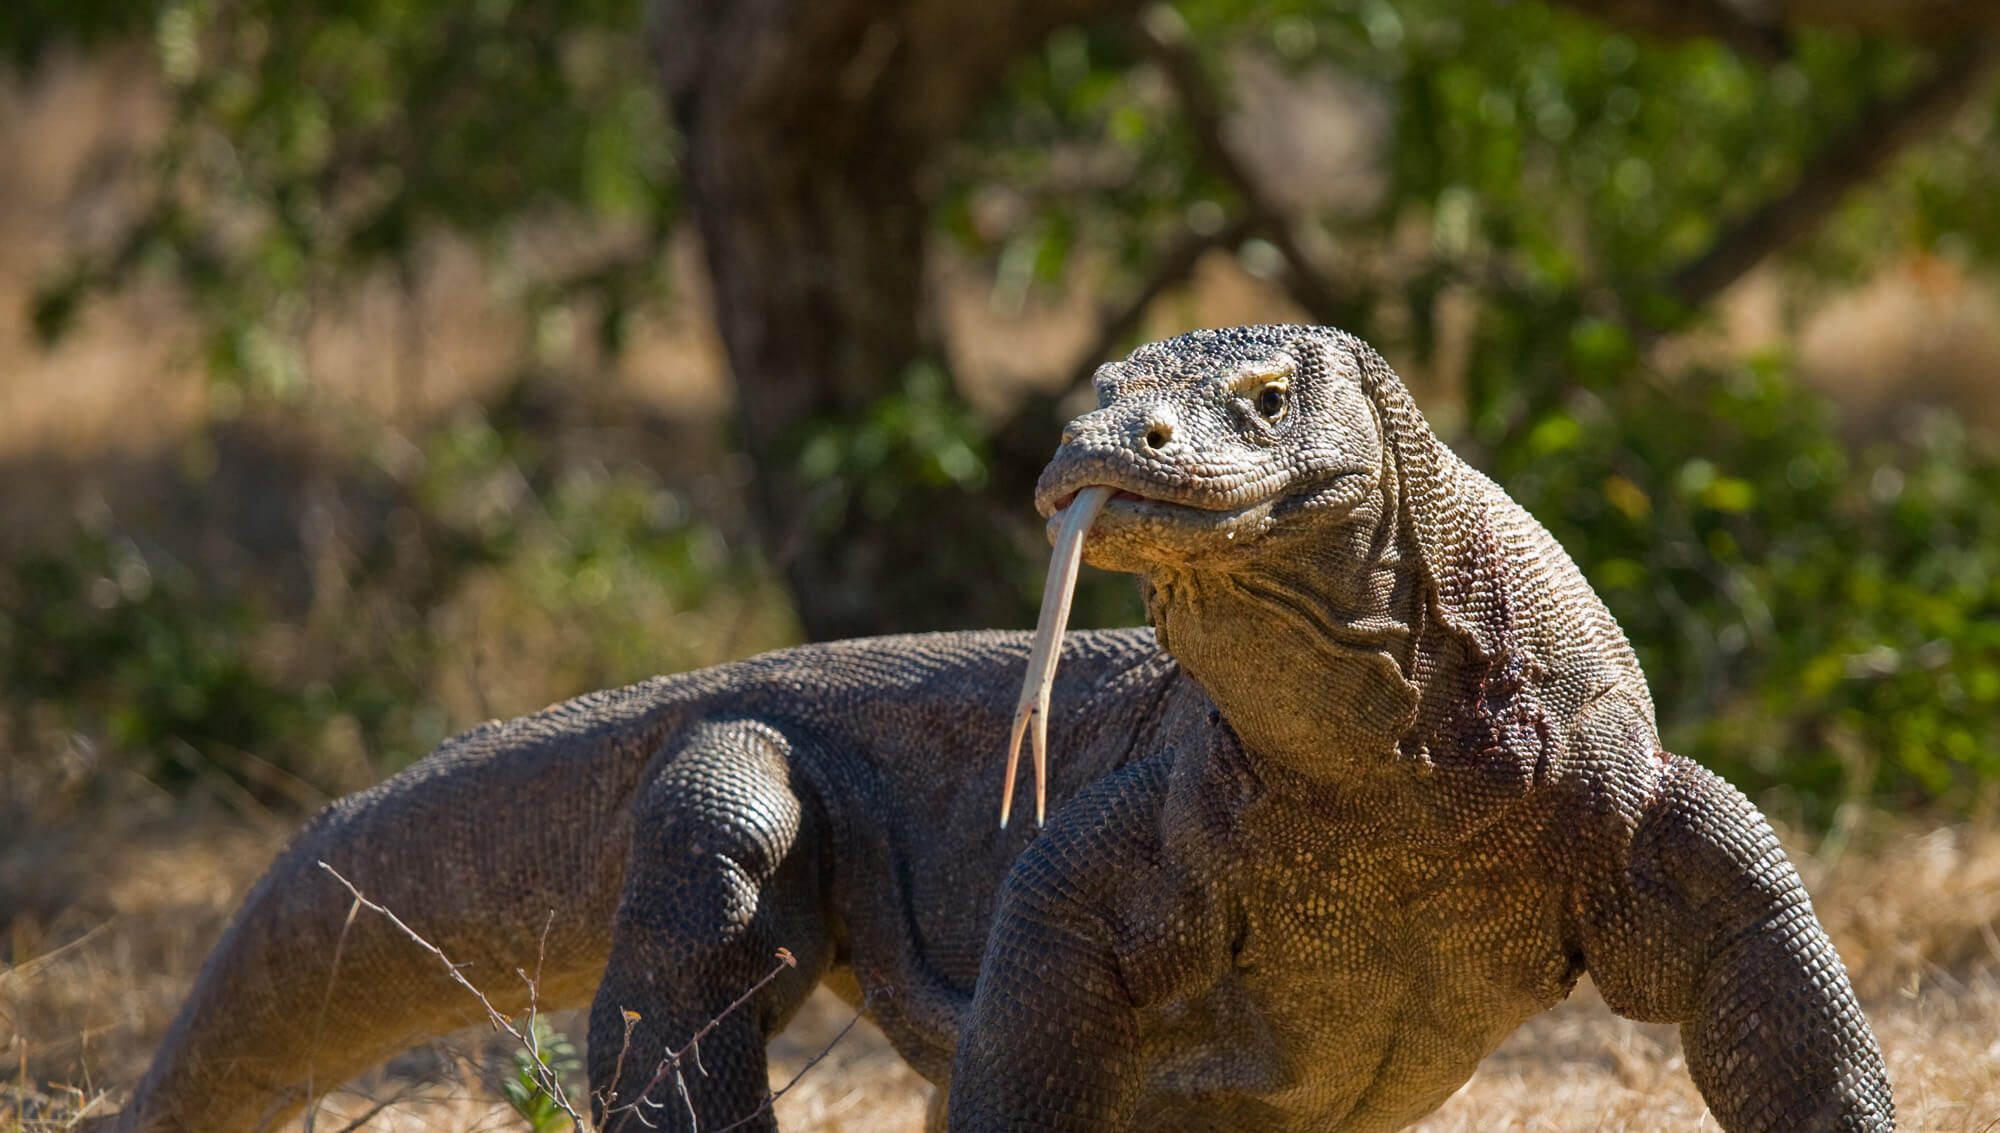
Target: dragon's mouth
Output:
{"points": [[1116, 494], [1149, 500], [1074, 509], [1072, 512]]}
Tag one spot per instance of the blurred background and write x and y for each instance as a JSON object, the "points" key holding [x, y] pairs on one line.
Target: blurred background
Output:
{"points": [[370, 368]]}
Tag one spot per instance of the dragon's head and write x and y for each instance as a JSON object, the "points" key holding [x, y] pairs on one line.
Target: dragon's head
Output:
{"points": [[1221, 447], [1261, 460]]}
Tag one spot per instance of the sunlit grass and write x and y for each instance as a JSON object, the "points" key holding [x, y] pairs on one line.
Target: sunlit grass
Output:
{"points": [[108, 916]]}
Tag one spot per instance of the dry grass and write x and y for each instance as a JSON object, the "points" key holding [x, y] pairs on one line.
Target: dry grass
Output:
{"points": [[107, 913]]}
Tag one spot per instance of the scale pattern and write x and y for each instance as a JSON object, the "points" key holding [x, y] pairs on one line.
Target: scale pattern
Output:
{"points": [[1430, 795], [1392, 784]]}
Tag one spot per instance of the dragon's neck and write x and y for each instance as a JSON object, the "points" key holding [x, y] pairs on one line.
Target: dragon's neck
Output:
{"points": [[1310, 650]]}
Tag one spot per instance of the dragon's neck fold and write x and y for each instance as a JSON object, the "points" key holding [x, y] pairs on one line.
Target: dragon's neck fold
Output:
{"points": [[1310, 650], [1321, 650]]}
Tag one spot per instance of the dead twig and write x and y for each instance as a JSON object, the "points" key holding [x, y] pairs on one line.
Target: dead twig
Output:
{"points": [[545, 1077], [325, 1001], [671, 1064], [691, 1051]]}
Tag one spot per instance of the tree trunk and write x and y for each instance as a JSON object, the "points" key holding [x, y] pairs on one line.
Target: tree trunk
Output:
{"points": [[808, 125]]}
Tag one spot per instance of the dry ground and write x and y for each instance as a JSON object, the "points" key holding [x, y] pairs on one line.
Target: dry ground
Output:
{"points": [[108, 912]]}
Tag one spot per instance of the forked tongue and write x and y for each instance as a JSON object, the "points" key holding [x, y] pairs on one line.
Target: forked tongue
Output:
{"points": [[1056, 593]]}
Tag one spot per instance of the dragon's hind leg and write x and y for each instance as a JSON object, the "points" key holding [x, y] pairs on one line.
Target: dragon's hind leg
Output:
{"points": [[727, 866]]}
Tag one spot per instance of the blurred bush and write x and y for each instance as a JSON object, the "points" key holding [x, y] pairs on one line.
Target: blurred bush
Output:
{"points": [[499, 575], [1818, 604], [1820, 622]]}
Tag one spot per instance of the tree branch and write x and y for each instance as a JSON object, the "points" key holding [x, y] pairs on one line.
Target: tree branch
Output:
{"points": [[1163, 37], [807, 128], [1850, 160], [1173, 267]]}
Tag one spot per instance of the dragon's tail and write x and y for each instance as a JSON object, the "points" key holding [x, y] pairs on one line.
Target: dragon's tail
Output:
{"points": [[504, 849]]}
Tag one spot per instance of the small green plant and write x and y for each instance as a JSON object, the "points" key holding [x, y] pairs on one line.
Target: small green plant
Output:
{"points": [[554, 1057]]}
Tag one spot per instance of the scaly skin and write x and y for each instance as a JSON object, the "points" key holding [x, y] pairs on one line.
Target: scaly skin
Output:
{"points": [[1433, 795], [834, 800]]}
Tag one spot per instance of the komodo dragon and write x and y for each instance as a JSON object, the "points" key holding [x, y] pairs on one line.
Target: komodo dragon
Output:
{"points": [[1456, 804], [1432, 794]]}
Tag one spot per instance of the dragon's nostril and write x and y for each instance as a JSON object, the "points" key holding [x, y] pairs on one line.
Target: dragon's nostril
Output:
{"points": [[1159, 434]]}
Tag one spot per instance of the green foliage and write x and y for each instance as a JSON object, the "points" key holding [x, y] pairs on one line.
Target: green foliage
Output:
{"points": [[1817, 620], [511, 576], [162, 664], [555, 1056], [1817, 614], [919, 438], [1813, 618], [1078, 153], [636, 576], [312, 143], [310, 147]]}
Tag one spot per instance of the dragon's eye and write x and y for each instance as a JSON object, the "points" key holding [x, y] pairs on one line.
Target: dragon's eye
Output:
{"points": [[1271, 401]]}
